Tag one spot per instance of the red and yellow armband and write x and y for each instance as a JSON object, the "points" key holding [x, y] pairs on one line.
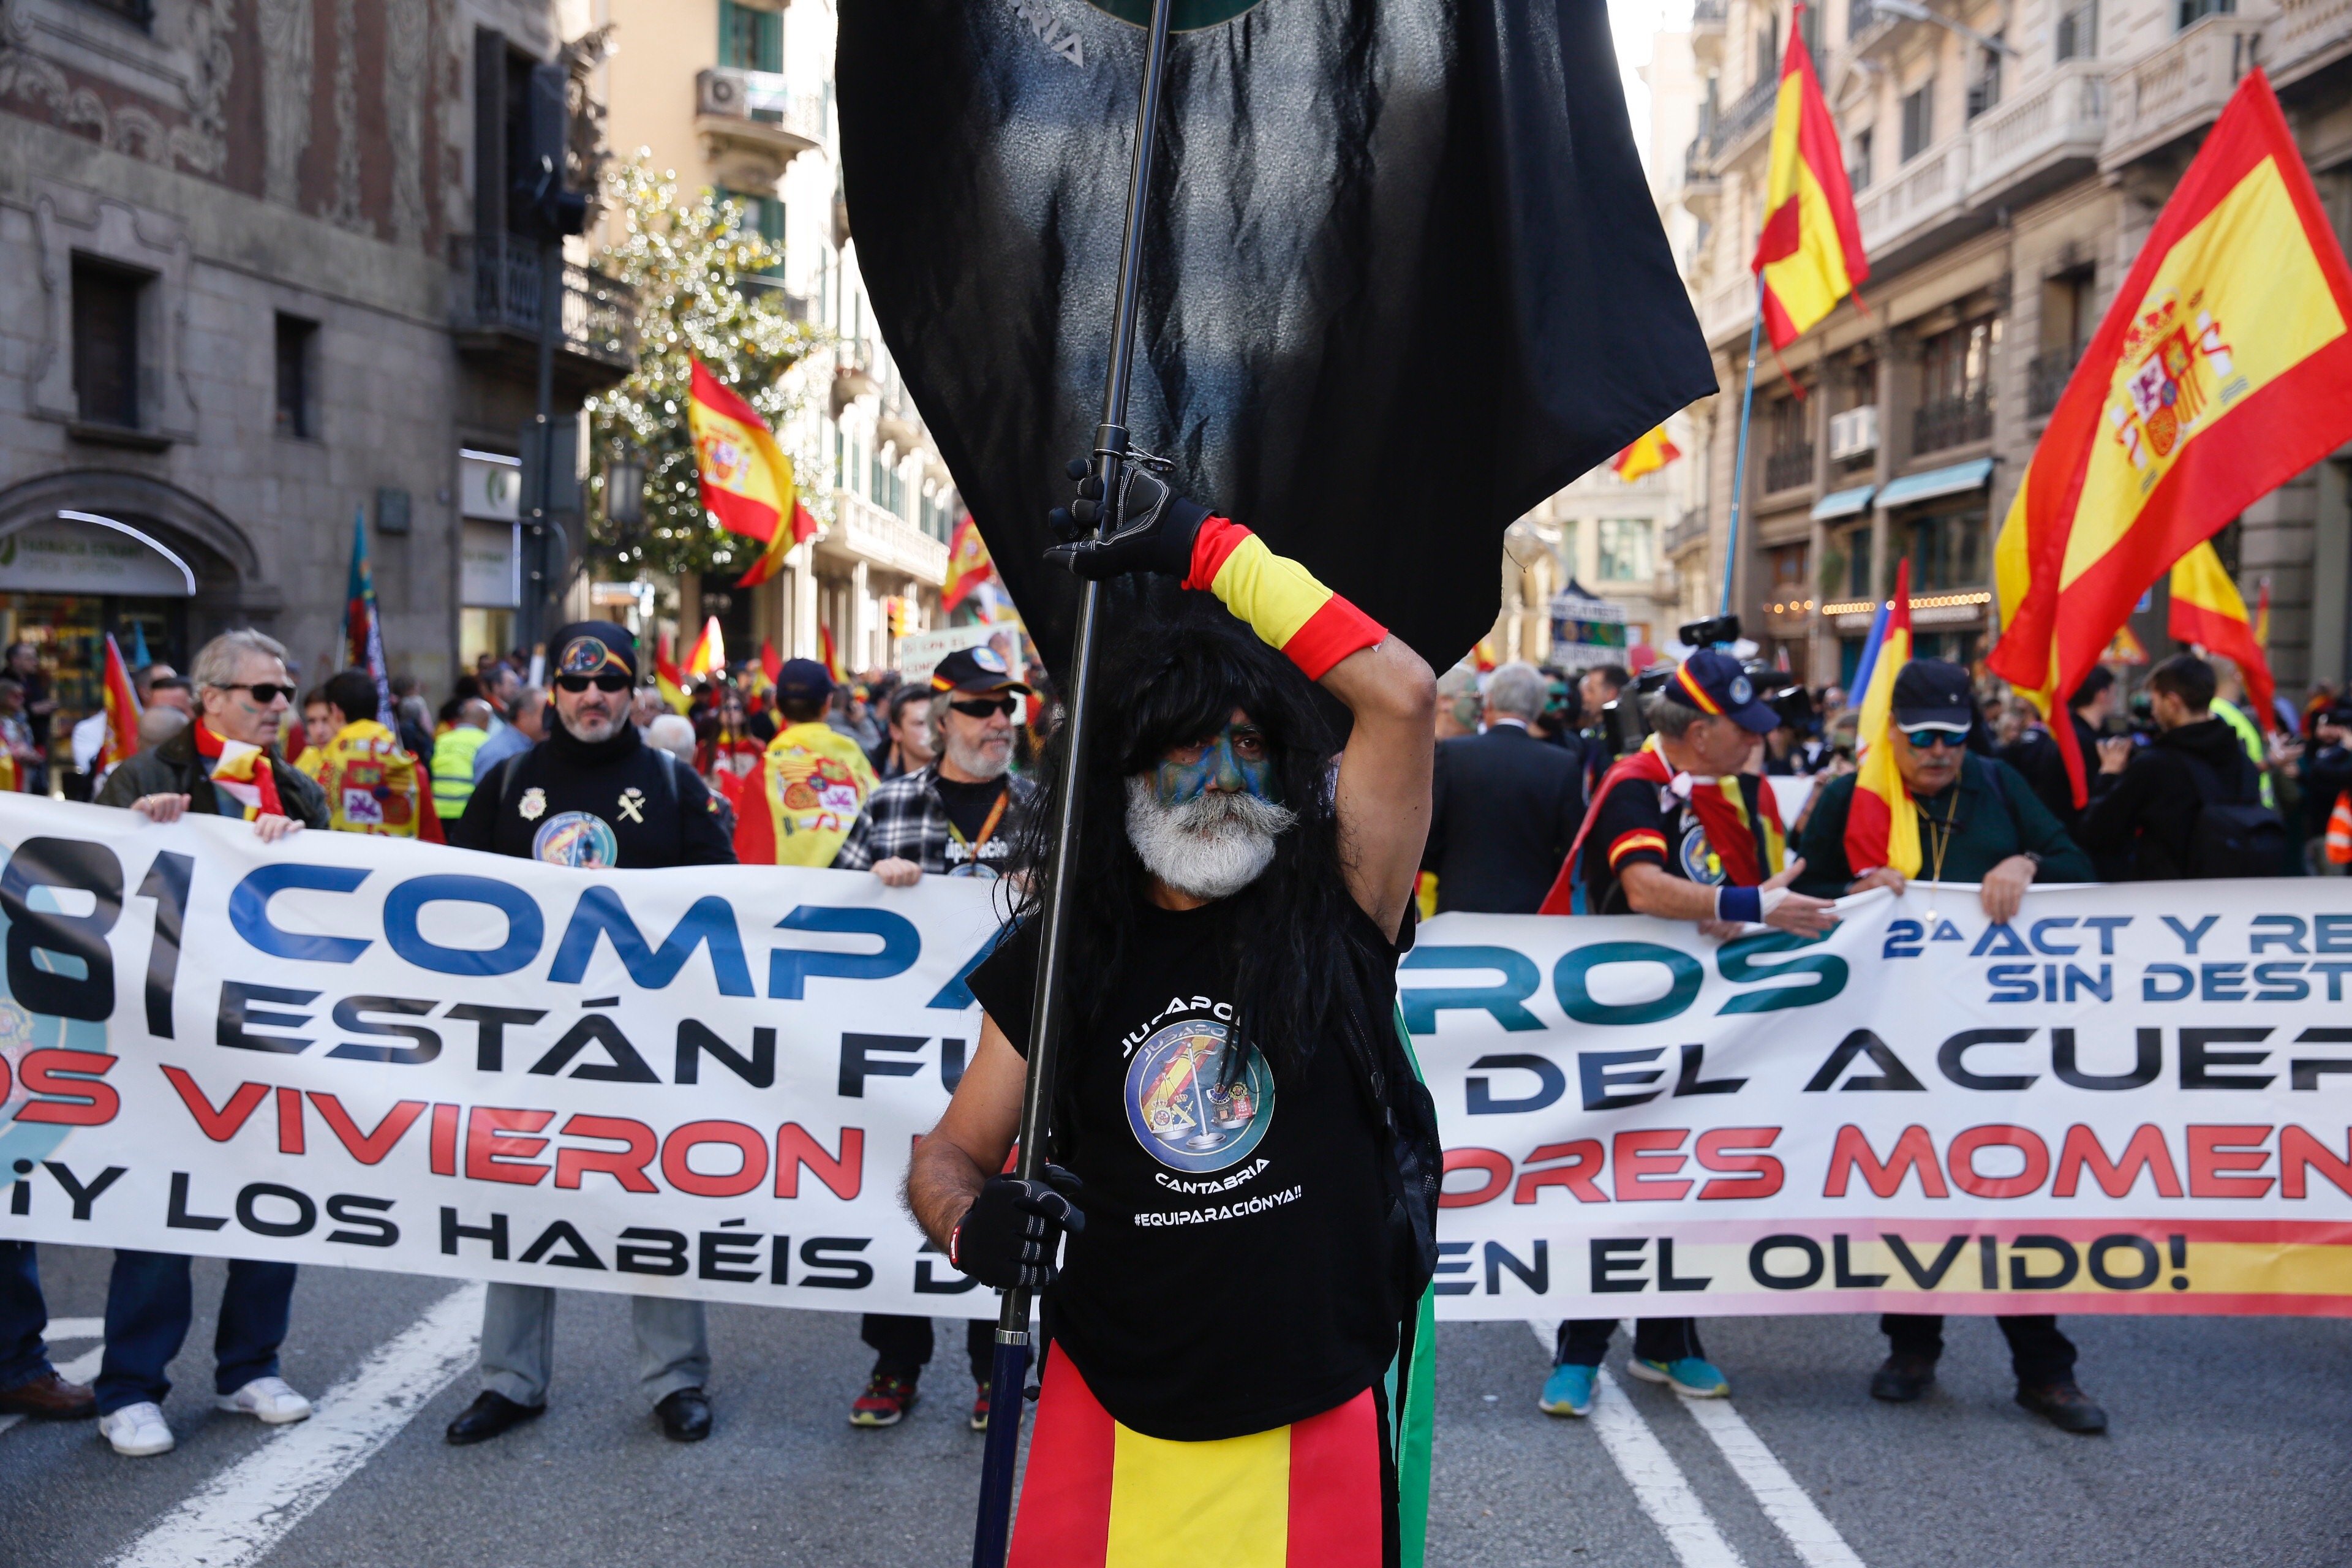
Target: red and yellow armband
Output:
{"points": [[1314, 627]]}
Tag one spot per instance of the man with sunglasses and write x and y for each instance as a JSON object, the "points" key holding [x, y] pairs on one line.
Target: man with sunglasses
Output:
{"points": [[592, 794], [959, 815], [1979, 822], [227, 762]]}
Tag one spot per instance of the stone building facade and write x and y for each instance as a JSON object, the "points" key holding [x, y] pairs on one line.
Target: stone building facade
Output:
{"points": [[258, 276], [2008, 158]]}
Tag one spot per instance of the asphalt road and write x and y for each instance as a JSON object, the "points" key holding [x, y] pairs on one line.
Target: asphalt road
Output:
{"points": [[2227, 1449]]}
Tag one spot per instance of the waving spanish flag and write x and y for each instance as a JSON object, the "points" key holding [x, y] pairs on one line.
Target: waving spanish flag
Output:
{"points": [[2224, 369], [1645, 456], [669, 680], [1880, 828], [2207, 610], [746, 480], [1810, 252], [968, 565], [122, 711]]}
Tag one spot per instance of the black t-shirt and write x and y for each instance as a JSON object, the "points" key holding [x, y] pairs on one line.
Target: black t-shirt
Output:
{"points": [[968, 805], [617, 803], [1233, 1275], [1640, 821]]}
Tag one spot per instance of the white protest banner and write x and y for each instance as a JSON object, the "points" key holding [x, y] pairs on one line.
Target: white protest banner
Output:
{"points": [[356, 1050], [2127, 1099], [705, 1082]]}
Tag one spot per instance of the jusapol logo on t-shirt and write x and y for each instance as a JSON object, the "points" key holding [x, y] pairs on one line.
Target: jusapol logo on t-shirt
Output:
{"points": [[1182, 1110]]}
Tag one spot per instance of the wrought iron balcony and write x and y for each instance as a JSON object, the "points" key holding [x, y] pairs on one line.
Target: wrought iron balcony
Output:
{"points": [[1952, 422], [2046, 376], [1789, 467], [496, 291]]}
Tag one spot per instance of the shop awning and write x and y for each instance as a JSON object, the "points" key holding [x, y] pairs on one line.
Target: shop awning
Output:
{"points": [[1937, 482], [1843, 504]]}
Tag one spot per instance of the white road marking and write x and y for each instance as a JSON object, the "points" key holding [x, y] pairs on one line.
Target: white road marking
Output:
{"points": [[75, 1329], [1787, 1504], [1658, 1483], [81, 1369], [238, 1516]]}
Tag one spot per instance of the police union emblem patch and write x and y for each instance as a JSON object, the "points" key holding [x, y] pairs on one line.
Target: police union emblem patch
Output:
{"points": [[1181, 1111], [581, 839]]}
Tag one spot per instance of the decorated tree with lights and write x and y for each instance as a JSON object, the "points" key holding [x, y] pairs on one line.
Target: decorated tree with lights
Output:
{"points": [[696, 269]]}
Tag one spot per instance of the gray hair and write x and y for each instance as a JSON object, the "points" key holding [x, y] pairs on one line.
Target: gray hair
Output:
{"points": [[217, 661], [1667, 717], [1519, 690], [937, 721], [674, 733]]}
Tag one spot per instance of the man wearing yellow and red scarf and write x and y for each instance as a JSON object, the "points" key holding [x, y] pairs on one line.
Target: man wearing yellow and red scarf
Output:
{"points": [[227, 762], [1682, 830], [372, 785], [799, 803]]}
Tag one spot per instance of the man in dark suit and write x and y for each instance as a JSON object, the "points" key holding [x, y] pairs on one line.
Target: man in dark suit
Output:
{"points": [[1507, 806]]}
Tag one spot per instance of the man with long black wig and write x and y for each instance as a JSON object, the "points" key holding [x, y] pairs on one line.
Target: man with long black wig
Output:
{"points": [[1245, 1164]]}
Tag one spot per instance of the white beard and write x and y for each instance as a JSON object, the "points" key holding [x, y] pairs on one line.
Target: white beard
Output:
{"points": [[1211, 846], [973, 758]]}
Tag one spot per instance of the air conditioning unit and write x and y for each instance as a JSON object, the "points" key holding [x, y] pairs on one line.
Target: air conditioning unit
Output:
{"points": [[720, 92], [1855, 433]]}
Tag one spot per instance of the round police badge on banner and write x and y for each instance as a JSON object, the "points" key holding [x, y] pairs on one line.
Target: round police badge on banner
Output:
{"points": [[1178, 1110], [577, 838]]}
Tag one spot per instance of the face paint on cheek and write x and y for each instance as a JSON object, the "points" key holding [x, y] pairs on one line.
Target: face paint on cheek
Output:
{"points": [[1219, 766]]}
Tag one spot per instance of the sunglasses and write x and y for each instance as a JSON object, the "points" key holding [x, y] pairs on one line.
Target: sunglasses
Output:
{"points": [[575, 684], [1007, 706], [264, 692], [1922, 740]]}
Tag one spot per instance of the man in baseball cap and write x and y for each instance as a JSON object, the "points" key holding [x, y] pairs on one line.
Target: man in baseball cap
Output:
{"points": [[798, 804], [978, 670]]}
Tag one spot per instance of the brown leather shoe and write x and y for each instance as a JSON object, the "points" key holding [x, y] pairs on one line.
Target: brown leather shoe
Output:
{"points": [[49, 1397]]}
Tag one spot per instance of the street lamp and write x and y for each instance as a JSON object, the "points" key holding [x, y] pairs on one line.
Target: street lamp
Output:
{"points": [[1911, 10], [624, 489]]}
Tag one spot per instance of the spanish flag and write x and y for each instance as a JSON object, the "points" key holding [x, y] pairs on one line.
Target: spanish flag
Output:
{"points": [[122, 712], [2224, 369], [1645, 456], [668, 679], [709, 655], [968, 565], [772, 559], [1102, 1495], [2207, 610], [1880, 828], [831, 655], [746, 480], [1810, 252]]}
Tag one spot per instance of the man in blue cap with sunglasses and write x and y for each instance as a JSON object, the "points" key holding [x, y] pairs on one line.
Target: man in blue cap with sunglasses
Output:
{"points": [[1979, 822]]}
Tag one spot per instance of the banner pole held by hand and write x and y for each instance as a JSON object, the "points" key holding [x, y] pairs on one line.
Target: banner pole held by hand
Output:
{"points": [[1009, 1376]]}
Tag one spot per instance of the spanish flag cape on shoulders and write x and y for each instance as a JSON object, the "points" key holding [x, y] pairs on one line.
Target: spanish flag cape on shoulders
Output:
{"points": [[372, 784], [811, 786], [1750, 845]]}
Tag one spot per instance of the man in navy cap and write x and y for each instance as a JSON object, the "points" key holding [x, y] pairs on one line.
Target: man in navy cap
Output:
{"points": [[800, 803], [592, 794], [958, 815], [1683, 829], [1979, 822]]}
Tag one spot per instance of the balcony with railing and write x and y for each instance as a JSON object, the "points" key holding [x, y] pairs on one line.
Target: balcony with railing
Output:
{"points": [[1788, 468], [2047, 135], [2178, 89], [1708, 18], [1683, 532], [1952, 422], [1728, 310], [864, 531], [1736, 127], [1911, 204], [758, 109], [2046, 375], [2305, 36], [495, 290]]}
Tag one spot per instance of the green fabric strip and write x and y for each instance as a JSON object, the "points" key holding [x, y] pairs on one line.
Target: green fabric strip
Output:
{"points": [[1413, 1436]]}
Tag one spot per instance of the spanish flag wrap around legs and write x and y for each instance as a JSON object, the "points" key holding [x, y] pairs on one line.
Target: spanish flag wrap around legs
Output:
{"points": [[1319, 1493]]}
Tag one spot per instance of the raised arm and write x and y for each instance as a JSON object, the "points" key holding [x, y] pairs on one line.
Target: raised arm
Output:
{"points": [[1384, 775]]}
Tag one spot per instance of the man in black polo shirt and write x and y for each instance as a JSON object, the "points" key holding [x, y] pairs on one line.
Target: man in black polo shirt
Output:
{"points": [[1683, 830]]}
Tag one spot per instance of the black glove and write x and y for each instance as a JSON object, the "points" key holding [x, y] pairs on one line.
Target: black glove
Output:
{"points": [[1012, 1233], [1155, 534]]}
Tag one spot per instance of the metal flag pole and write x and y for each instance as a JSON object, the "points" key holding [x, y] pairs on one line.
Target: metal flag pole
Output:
{"points": [[1740, 463], [1009, 1376]]}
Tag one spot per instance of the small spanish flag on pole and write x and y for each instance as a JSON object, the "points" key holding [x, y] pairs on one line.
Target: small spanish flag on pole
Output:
{"points": [[122, 711], [2207, 610], [1809, 255], [831, 655], [2224, 369], [1645, 456], [1880, 828], [746, 480]]}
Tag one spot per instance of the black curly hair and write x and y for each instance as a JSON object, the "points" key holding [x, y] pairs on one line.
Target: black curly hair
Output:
{"points": [[1173, 673]]}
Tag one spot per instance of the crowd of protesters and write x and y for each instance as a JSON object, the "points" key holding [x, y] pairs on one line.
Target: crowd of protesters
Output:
{"points": [[1590, 792]]}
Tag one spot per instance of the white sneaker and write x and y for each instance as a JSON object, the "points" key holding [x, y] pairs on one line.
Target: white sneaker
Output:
{"points": [[136, 1431], [271, 1399]]}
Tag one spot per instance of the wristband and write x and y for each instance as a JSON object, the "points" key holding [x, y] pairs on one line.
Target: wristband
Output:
{"points": [[1308, 624], [1745, 905]]}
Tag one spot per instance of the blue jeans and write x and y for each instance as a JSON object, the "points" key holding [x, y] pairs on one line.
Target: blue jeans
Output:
{"points": [[24, 1356], [149, 1307]]}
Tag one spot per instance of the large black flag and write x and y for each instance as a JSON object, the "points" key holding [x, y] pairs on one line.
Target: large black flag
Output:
{"points": [[1402, 276]]}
